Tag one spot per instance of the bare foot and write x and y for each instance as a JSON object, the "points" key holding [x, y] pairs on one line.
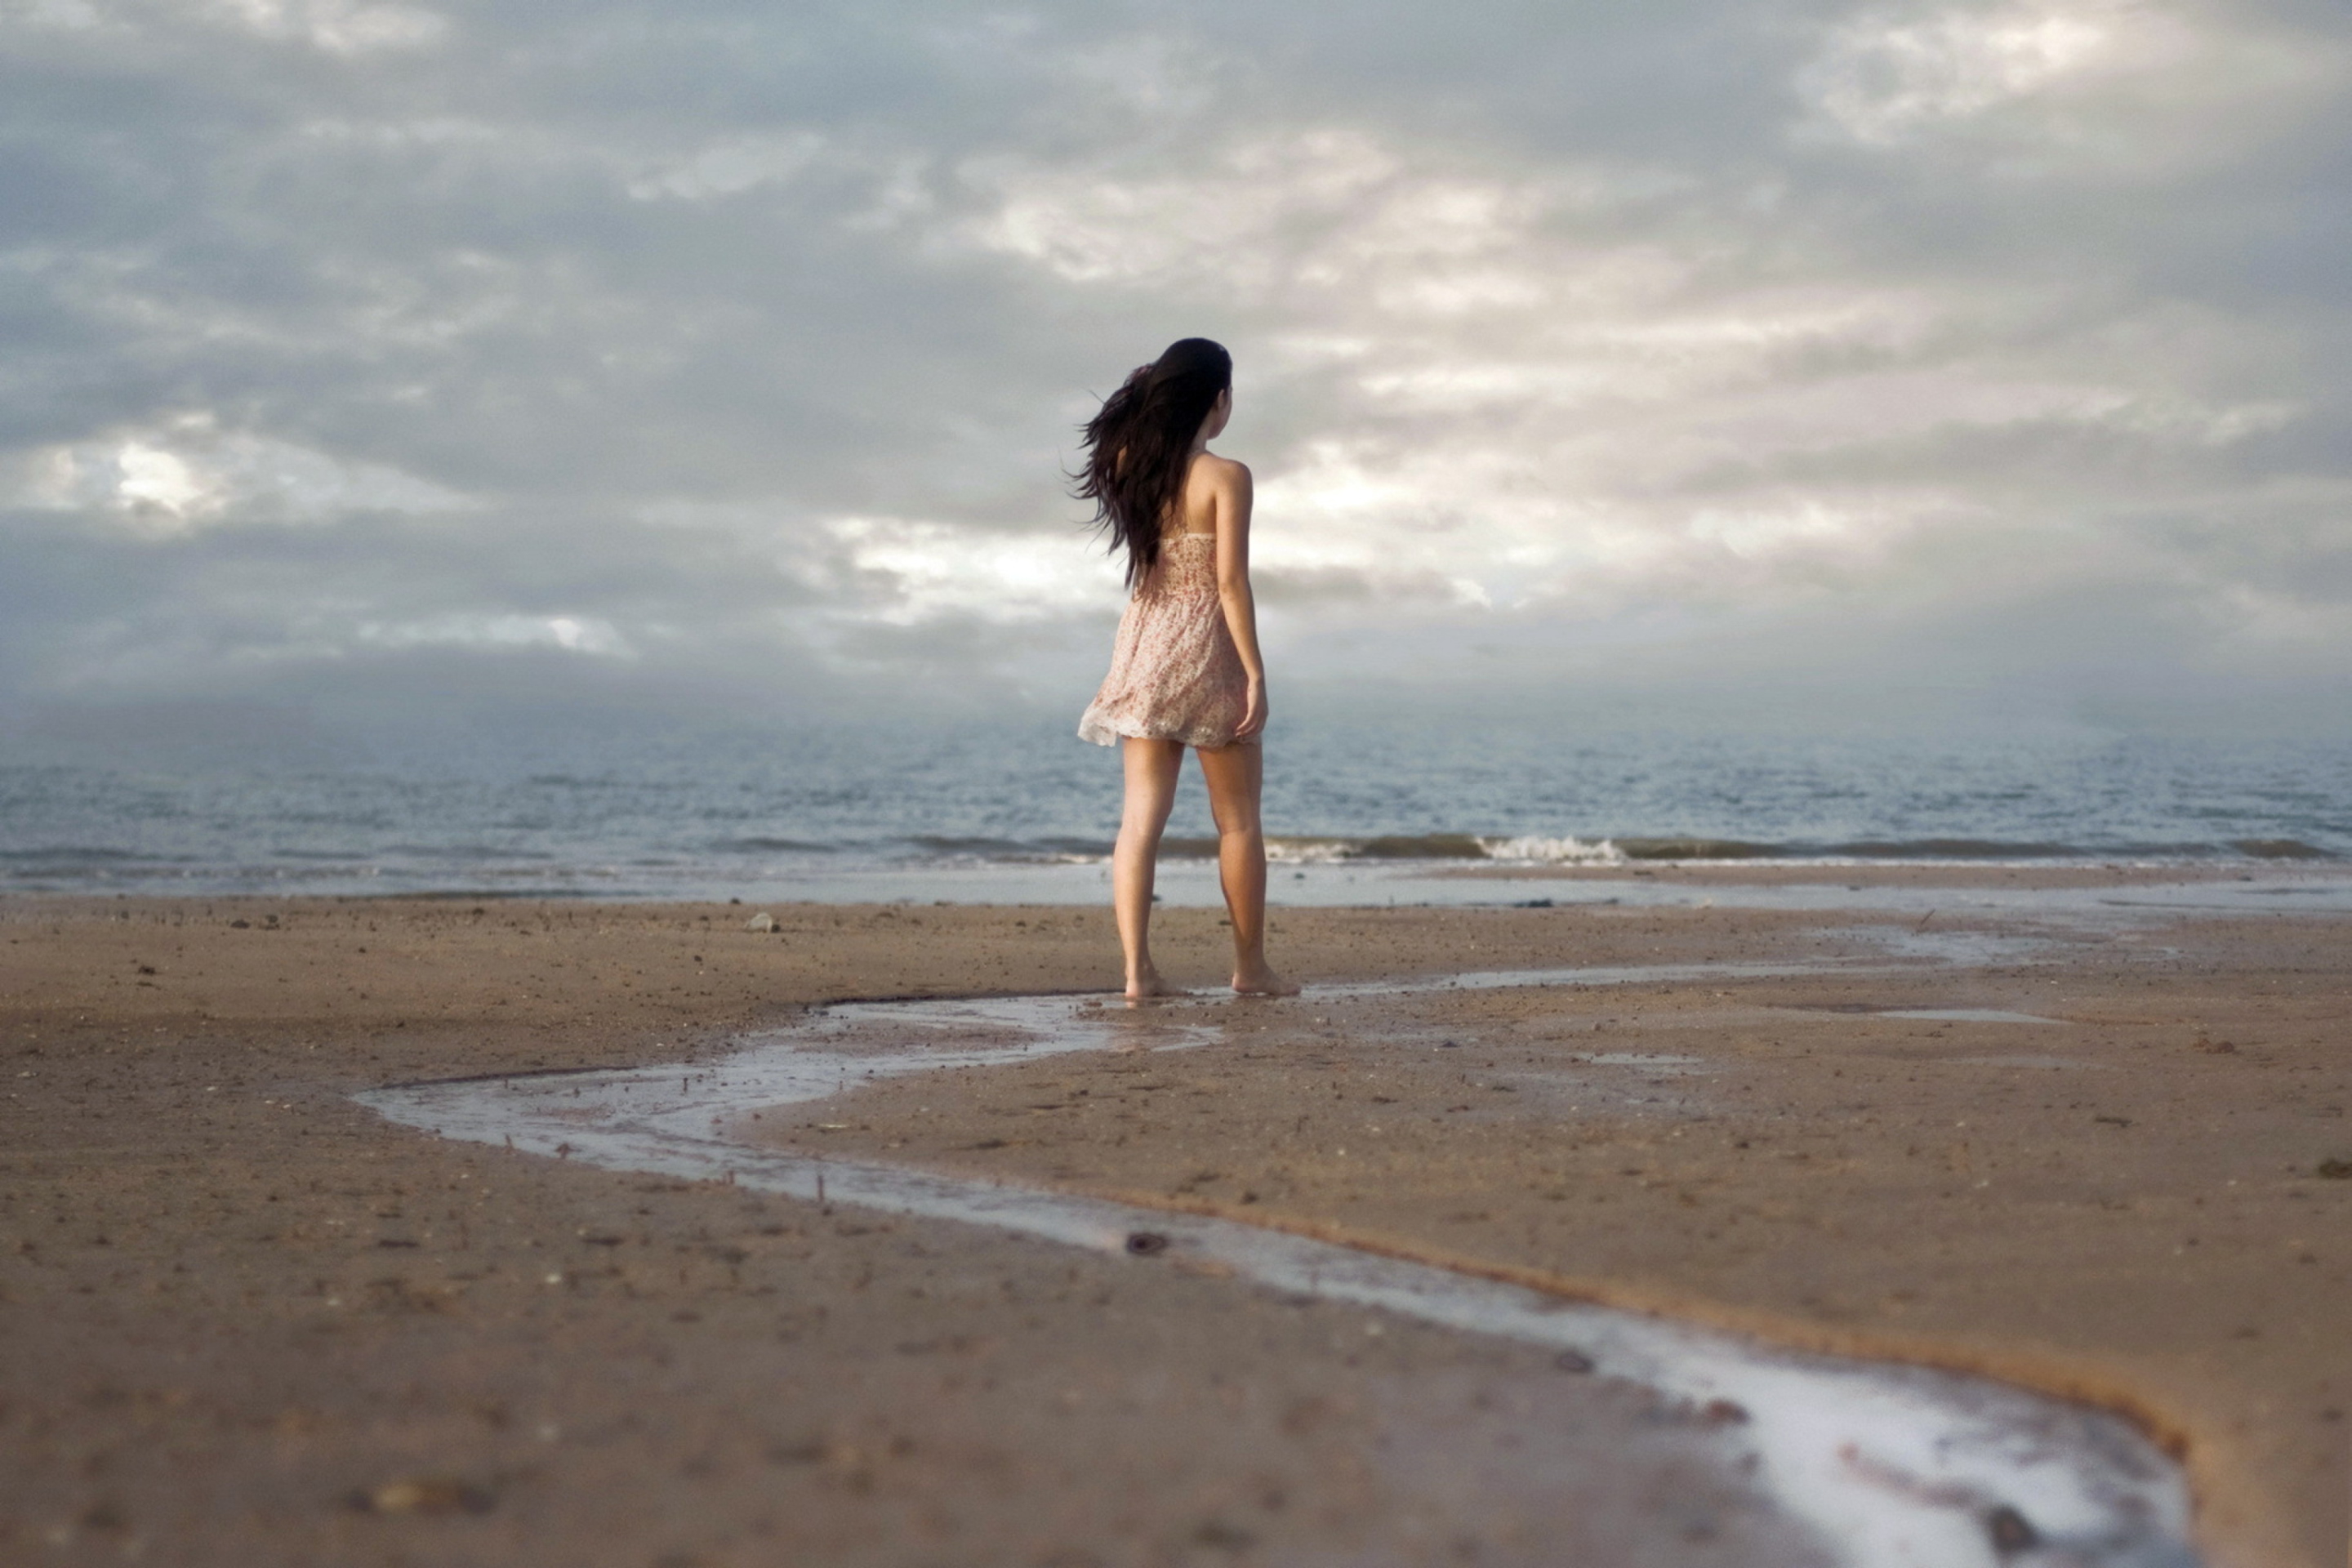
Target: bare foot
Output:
{"points": [[1263, 981], [1148, 986]]}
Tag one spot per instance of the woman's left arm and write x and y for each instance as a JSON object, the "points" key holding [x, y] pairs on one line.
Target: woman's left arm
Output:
{"points": [[1232, 513]]}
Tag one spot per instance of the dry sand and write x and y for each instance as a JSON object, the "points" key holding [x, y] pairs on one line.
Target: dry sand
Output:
{"points": [[232, 1301]]}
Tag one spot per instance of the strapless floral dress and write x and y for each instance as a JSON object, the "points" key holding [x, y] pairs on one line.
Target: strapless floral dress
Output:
{"points": [[1175, 674]]}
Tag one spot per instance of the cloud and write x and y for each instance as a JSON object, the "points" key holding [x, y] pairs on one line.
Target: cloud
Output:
{"points": [[903, 572], [662, 345], [570, 634], [340, 27], [337, 26], [728, 167], [189, 476], [1885, 76]]}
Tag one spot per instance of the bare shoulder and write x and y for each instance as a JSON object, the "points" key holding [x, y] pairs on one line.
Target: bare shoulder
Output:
{"points": [[1224, 474]]}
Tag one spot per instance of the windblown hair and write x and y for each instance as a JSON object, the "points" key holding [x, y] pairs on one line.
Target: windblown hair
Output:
{"points": [[1140, 446]]}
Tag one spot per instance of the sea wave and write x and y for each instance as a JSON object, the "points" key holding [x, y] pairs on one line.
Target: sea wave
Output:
{"points": [[1539, 849], [1052, 851], [1520, 849], [80, 854], [2280, 849]]}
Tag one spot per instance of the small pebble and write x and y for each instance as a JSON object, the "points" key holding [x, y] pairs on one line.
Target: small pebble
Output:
{"points": [[424, 1494], [2011, 1530]]}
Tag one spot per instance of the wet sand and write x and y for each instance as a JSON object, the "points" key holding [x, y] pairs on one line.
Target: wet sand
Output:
{"points": [[233, 1299]]}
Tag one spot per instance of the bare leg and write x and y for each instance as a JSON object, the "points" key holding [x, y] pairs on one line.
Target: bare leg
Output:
{"points": [[1234, 776], [1151, 790]]}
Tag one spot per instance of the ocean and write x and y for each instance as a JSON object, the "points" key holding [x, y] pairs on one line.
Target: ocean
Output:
{"points": [[1023, 812]]}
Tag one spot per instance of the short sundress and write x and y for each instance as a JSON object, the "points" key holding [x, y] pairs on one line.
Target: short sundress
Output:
{"points": [[1175, 674]]}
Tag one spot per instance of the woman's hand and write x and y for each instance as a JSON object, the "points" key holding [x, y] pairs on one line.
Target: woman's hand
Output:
{"points": [[1252, 709]]}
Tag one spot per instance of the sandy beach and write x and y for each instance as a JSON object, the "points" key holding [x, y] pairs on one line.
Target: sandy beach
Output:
{"points": [[250, 1322]]}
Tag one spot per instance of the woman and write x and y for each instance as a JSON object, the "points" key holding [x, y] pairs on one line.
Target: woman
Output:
{"points": [[1185, 671]]}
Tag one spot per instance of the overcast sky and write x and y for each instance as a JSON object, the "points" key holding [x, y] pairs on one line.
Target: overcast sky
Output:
{"points": [[1895, 356]]}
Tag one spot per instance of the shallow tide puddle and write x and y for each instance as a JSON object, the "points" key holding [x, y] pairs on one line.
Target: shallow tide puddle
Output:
{"points": [[1886, 1465]]}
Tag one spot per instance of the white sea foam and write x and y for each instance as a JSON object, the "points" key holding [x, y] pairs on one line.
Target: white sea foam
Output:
{"points": [[1531, 850], [1523, 849], [1312, 851]]}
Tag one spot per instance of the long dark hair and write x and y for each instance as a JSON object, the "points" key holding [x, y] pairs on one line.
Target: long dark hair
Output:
{"points": [[1140, 446]]}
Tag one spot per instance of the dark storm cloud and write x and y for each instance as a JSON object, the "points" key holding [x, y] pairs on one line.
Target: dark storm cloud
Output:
{"points": [[665, 345]]}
